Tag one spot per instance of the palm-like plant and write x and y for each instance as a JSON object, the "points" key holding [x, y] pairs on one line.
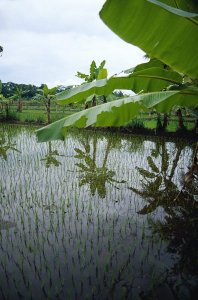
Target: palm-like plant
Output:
{"points": [[5, 104], [47, 96], [95, 73], [18, 95], [164, 32]]}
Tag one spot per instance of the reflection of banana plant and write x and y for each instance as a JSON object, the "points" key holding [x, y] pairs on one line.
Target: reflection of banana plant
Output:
{"points": [[158, 189], [50, 157], [93, 175], [180, 228], [180, 224], [6, 224], [5, 146]]}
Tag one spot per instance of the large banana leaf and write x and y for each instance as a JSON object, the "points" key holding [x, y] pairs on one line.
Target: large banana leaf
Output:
{"points": [[147, 79], [119, 112], [153, 63], [162, 31]]}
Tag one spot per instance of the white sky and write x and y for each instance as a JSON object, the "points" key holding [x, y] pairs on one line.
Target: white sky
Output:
{"points": [[48, 41]]}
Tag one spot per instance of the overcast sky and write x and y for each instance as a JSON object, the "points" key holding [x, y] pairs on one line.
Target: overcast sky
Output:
{"points": [[48, 41]]}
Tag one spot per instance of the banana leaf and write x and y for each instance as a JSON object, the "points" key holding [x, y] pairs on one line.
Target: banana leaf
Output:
{"points": [[119, 112], [145, 79], [162, 31]]}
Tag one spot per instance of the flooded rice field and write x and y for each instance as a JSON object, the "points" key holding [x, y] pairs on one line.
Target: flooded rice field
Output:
{"points": [[99, 216]]}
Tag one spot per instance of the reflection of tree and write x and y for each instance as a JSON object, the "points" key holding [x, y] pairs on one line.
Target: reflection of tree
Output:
{"points": [[5, 146], [158, 188], [91, 174], [180, 224], [50, 157], [180, 227]]}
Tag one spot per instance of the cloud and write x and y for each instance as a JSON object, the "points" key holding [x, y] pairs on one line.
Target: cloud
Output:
{"points": [[51, 16], [49, 41]]}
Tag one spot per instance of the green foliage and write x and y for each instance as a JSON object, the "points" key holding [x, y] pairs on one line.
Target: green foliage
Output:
{"points": [[165, 32], [117, 113], [94, 72], [5, 146], [135, 124], [162, 31], [9, 89], [149, 79]]}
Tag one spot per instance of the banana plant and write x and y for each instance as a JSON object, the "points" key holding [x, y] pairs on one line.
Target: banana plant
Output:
{"points": [[164, 29], [18, 95], [148, 77], [95, 73], [47, 95], [5, 103], [168, 33]]}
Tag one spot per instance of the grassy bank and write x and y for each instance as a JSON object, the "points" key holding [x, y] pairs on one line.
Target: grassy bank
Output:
{"points": [[37, 115]]}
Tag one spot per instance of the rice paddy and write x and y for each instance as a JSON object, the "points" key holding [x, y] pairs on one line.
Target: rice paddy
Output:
{"points": [[98, 216]]}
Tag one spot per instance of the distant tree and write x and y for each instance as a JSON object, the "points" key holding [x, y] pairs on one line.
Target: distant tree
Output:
{"points": [[29, 91], [9, 89], [5, 105], [46, 95], [18, 95], [1, 49]]}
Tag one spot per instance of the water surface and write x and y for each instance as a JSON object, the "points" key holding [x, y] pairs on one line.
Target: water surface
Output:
{"points": [[99, 216]]}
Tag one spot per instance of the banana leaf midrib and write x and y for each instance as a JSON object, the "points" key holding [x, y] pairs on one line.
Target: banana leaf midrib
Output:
{"points": [[156, 77]]}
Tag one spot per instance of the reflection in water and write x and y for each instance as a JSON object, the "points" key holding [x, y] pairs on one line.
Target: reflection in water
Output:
{"points": [[91, 174], [180, 224], [68, 244], [6, 145], [6, 224], [180, 229], [50, 157], [158, 187]]}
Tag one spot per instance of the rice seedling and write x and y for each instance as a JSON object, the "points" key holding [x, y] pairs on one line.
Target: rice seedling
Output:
{"points": [[89, 226]]}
